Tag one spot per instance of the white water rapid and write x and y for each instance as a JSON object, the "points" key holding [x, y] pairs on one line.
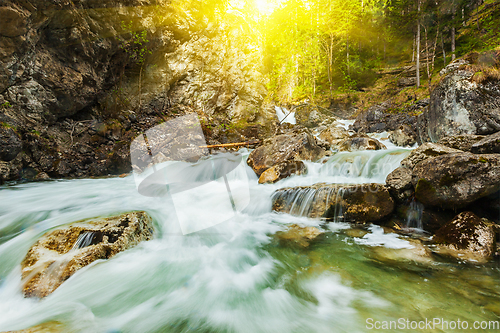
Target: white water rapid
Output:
{"points": [[231, 277]]}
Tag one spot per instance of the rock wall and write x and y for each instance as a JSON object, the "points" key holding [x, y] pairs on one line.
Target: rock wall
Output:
{"points": [[80, 79]]}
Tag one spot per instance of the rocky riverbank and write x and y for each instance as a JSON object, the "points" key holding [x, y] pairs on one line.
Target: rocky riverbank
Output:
{"points": [[451, 186]]}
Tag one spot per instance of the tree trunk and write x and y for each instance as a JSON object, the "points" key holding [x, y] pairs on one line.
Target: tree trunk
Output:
{"points": [[418, 44], [453, 32], [413, 52], [140, 88], [444, 51], [348, 66]]}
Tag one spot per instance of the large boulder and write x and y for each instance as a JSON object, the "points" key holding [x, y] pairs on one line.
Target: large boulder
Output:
{"points": [[455, 180], [487, 145], [468, 235], [404, 136], [59, 254], [461, 142], [334, 135], [296, 145], [399, 184], [378, 118], [461, 105], [357, 143], [351, 202], [425, 151], [281, 171]]}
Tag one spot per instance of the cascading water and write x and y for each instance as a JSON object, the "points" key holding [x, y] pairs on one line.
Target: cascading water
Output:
{"points": [[231, 277], [414, 215], [284, 115]]}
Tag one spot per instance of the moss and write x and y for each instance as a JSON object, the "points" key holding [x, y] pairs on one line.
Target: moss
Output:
{"points": [[483, 160], [424, 190]]}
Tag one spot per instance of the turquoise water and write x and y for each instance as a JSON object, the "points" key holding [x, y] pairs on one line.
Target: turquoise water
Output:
{"points": [[234, 276]]}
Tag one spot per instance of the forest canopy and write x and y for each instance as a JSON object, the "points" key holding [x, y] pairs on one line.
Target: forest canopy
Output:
{"points": [[316, 48]]}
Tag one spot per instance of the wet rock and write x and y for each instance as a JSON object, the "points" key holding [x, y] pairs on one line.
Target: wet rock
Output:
{"points": [[378, 118], [10, 143], [296, 145], [297, 236], [57, 255], [48, 327], [399, 184], [468, 236], [455, 180], [459, 105], [461, 142], [487, 145], [350, 202], [357, 143], [281, 171], [425, 151], [404, 136], [334, 135], [417, 253]]}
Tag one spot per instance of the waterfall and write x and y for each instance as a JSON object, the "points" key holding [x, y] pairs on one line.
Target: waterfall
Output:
{"points": [[282, 113], [414, 215], [84, 240], [362, 166], [324, 201]]}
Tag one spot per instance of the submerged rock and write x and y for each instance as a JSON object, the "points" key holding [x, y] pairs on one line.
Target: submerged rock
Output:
{"points": [[357, 143], [461, 142], [60, 253], [455, 180], [49, 327], [468, 236], [297, 236], [350, 202], [296, 145], [404, 136], [487, 145], [425, 151], [281, 171]]}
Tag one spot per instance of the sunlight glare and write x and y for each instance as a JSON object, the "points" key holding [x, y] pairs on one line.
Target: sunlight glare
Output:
{"points": [[266, 7]]}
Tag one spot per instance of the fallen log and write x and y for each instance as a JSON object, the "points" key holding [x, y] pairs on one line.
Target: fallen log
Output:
{"points": [[236, 144]]}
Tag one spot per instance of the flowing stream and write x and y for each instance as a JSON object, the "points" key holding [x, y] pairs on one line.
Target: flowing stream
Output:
{"points": [[233, 276]]}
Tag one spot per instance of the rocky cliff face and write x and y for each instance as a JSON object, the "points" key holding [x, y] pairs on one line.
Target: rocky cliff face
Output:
{"points": [[80, 79]]}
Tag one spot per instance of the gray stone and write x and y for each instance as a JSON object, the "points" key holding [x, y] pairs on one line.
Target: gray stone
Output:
{"points": [[487, 145], [357, 143], [10, 143], [459, 105], [425, 151], [399, 184], [404, 136], [453, 181], [461, 142], [297, 145]]}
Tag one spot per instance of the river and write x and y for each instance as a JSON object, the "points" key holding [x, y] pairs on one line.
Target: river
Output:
{"points": [[233, 277]]}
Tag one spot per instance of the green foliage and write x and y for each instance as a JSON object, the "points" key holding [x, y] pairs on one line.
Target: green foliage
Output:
{"points": [[6, 105], [136, 45]]}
